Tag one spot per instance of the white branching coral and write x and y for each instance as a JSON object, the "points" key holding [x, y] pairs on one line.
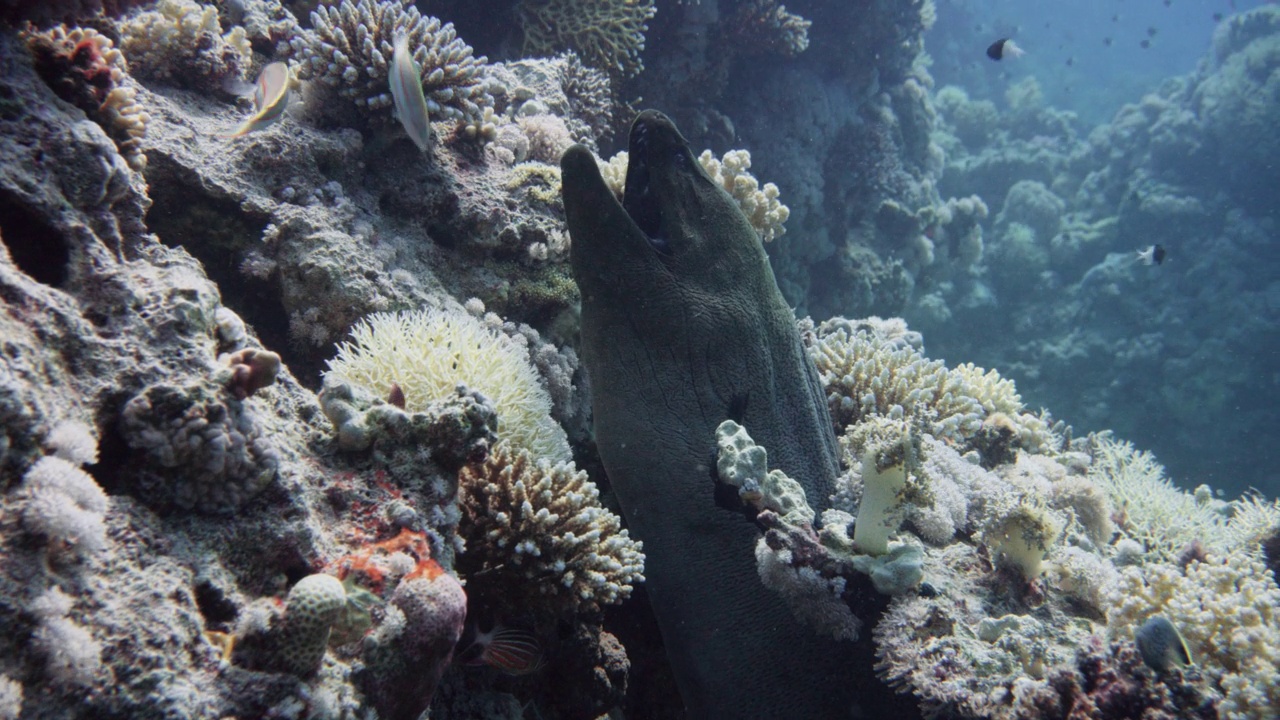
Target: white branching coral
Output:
{"points": [[428, 353], [350, 48], [760, 204], [181, 41], [539, 529], [1156, 514], [1226, 608]]}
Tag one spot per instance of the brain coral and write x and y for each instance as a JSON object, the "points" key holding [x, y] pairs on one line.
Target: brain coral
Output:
{"points": [[350, 47], [607, 33], [428, 353]]}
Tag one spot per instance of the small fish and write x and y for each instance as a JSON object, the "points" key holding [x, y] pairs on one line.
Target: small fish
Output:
{"points": [[1002, 47], [1161, 645], [1107, 41], [270, 99], [406, 90], [1145, 44], [1153, 255], [515, 652]]}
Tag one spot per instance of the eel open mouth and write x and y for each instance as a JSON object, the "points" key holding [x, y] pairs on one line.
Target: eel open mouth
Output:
{"points": [[638, 198]]}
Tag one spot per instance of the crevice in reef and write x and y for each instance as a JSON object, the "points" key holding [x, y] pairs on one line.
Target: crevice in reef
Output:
{"points": [[37, 249], [217, 232]]}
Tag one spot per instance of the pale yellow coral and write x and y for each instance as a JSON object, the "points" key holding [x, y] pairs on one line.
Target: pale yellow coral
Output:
{"points": [[1226, 609], [760, 204], [1157, 514], [429, 352], [182, 41]]}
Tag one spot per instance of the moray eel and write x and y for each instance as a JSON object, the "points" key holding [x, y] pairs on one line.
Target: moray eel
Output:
{"points": [[683, 326]]}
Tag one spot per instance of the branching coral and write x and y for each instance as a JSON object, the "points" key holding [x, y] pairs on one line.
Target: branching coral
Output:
{"points": [[1226, 609], [430, 352], [537, 535], [181, 42], [867, 375], [608, 34], [84, 68], [350, 48], [764, 26], [760, 204], [1154, 512]]}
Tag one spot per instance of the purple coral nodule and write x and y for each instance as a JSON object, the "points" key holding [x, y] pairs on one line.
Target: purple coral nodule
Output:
{"points": [[409, 652]]}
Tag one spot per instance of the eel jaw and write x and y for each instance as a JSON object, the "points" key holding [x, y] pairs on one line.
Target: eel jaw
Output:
{"points": [[639, 197]]}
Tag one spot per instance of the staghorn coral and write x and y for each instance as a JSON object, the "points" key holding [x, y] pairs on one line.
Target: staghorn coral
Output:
{"points": [[84, 68], [591, 99], [608, 34], [1226, 609], [537, 536], [349, 49], [181, 42], [428, 353]]}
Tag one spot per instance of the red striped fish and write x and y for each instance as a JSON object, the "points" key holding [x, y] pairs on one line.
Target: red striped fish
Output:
{"points": [[515, 652]]}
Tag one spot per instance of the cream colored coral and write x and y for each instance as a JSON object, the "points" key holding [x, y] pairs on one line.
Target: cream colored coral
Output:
{"points": [[543, 524], [759, 204], [177, 39], [864, 376], [1157, 514], [429, 352], [1226, 609]]}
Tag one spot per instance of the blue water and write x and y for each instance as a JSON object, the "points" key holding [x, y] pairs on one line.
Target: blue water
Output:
{"points": [[1088, 55]]}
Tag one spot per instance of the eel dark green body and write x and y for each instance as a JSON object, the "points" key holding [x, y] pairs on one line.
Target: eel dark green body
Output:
{"points": [[683, 326]]}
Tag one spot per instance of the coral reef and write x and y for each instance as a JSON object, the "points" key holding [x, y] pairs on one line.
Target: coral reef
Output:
{"points": [[181, 42], [85, 69], [1058, 301], [608, 35], [349, 49], [537, 536]]}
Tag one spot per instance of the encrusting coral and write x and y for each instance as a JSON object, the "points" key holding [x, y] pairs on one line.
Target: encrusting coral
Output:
{"points": [[84, 68], [350, 48], [202, 451], [608, 34], [537, 535]]}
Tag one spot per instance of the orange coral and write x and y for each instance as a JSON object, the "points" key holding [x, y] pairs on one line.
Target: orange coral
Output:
{"points": [[366, 560]]}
